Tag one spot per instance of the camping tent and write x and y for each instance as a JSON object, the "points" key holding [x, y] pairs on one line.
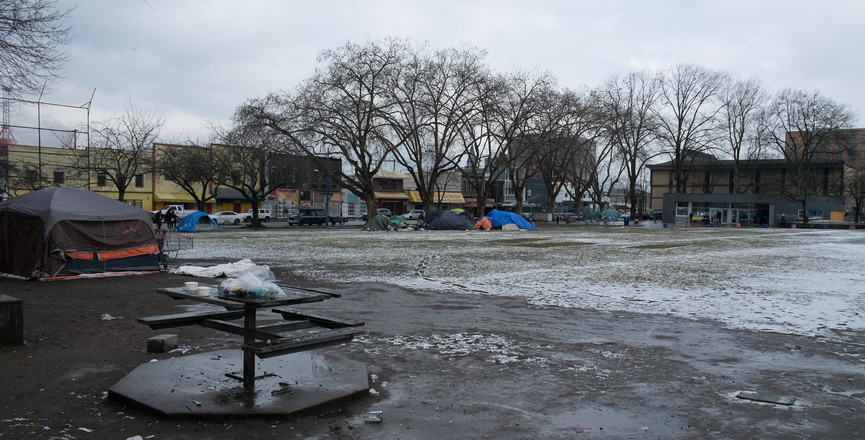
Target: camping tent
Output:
{"points": [[499, 218], [378, 223], [68, 231], [398, 221], [197, 221], [447, 220]]}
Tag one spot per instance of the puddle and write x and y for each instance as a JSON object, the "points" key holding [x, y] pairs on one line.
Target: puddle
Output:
{"points": [[611, 422]]}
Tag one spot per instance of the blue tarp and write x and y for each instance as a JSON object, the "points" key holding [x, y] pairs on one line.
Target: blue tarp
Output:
{"points": [[197, 222], [498, 218]]}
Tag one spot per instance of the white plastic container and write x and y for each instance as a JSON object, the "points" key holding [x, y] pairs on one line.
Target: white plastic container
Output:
{"points": [[204, 291], [191, 286]]}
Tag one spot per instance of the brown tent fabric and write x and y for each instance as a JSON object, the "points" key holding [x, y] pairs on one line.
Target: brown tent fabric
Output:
{"points": [[43, 231]]}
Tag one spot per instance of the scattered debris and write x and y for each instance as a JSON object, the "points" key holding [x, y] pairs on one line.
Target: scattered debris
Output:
{"points": [[769, 398], [375, 417], [107, 317], [373, 392]]}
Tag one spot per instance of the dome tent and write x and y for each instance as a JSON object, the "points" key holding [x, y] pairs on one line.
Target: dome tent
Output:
{"points": [[69, 231], [197, 221]]}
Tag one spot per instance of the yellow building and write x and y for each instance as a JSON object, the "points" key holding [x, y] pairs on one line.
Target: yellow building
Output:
{"points": [[28, 168]]}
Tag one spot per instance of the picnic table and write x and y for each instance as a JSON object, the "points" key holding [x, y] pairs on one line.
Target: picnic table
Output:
{"points": [[266, 340]]}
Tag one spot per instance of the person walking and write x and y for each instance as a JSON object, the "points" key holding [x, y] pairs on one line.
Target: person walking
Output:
{"points": [[158, 220]]}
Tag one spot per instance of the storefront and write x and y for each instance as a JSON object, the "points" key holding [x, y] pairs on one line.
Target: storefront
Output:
{"points": [[395, 201], [441, 201]]}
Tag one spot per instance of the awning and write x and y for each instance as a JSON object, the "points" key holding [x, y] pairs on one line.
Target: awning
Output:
{"points": [[448, 197], [391, 195], [172, 197]]}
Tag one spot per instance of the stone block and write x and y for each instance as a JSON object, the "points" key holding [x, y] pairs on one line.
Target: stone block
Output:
{"points": [[11, 321], [161, 343]]}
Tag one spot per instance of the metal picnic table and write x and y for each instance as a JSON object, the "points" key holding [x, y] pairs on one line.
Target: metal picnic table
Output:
{"points": [[263, 341]]}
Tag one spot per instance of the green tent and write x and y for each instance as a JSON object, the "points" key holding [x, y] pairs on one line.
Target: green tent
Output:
{"points": [[399, 221], [378, 223]]}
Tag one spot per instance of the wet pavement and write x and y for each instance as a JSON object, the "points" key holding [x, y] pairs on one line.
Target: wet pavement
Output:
{"points": [[494, 367]]}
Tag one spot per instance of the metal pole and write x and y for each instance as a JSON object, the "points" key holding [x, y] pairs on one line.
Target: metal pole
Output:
{"points": [[327, 189]]}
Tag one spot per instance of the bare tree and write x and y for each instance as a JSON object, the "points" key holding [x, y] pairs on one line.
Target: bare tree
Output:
{"points": [[807, 130], [122, 148], [340, 111], [30, 49], [498, 142], [854, 188], [191, 168], [686, 114], [253, 160], [434, 97], [627, 107], [742, 102], [24, 176], [564, 117], [605, 170]]}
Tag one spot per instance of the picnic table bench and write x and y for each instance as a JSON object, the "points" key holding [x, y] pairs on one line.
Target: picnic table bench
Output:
{"points": [[263, 341]]}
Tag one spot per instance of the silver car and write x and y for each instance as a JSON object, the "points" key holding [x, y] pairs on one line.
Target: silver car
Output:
{"points": [[414, 214]]}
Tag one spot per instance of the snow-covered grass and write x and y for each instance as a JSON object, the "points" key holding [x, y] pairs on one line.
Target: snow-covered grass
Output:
{"points": [[790, 281]]}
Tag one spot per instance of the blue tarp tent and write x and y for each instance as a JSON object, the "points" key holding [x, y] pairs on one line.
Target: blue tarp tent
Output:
{"points": [[197, 222], [498, 218]]}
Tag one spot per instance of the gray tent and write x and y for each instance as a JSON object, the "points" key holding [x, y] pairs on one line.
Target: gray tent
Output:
{"points": [[68, 231], [378, 223]]}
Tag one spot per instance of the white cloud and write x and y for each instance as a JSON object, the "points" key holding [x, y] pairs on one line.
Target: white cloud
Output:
{"points": [[198, 60]]}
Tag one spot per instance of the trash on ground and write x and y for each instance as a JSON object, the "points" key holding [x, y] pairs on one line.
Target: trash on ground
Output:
{"points": [[107, 317], [769, 398], [373, 391], [375, 417], [218, 271]]}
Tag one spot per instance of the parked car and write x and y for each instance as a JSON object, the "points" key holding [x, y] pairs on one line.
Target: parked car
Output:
{"points": [[263, 214], [414, 214], [380, 211], [308, 217], [178, 210], [226, 218]]}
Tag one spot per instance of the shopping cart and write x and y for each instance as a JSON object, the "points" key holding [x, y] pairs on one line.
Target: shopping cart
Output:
{"points": [[170, 242]]}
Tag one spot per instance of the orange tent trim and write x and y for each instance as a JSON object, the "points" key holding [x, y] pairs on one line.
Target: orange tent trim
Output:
{"points": [[114, 255]]}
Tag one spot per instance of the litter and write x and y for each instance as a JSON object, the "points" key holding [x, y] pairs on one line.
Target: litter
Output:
{"points": [[107, 317], [375, 417], [768, 398]]}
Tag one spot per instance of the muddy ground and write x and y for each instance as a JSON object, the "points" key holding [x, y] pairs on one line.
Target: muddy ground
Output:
{"points": [[443, 366]]}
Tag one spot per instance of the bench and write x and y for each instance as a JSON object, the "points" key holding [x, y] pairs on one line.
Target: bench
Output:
{"points": [[319, 320], [296, 344], [184, 319]]}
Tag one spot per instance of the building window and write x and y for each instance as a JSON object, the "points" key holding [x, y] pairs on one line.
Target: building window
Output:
{"points": [[101, 179], [139, 181], [59, 177]]}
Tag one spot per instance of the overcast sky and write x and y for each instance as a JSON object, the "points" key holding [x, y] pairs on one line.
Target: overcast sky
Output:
{"points": [[195, 61]]}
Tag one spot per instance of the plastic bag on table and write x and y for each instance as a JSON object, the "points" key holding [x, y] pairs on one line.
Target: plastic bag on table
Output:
{"points": [[255, 282]]}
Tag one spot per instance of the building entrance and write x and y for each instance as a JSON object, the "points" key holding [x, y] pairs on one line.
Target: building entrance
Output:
{"points": [[719, 216]]}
